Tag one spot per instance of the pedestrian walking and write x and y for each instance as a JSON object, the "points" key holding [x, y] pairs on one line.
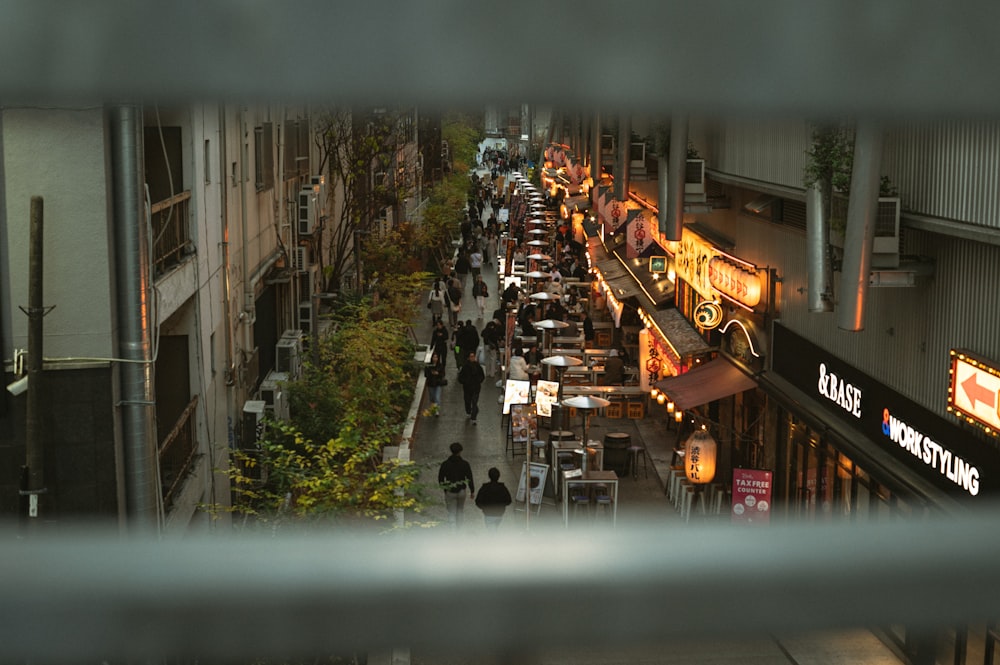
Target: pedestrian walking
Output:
{"points": [[454, 294], [436, 301], [454, 476], [471, 377], [439, 342], [476, 260], [435, 376], [493, 499], [481, 293]]}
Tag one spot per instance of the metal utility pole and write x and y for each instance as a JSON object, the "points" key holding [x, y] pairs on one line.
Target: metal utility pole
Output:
{"points": [[34, 476]]}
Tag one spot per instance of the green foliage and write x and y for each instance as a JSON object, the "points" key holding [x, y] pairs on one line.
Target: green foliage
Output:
{"points": [[459, 130], [292, 479], [831, 159], [325, 464]]}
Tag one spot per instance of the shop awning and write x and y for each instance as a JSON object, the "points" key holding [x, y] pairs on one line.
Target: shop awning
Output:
{"points": [[714, 380], [678, 333]]}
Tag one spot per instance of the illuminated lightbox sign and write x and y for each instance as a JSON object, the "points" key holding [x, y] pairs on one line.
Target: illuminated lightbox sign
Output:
{"points": [[974, 391], [711, 272], [933, 447]]}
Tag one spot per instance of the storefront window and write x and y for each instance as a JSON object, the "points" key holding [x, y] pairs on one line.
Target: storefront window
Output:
{"points": [[822, 483]]}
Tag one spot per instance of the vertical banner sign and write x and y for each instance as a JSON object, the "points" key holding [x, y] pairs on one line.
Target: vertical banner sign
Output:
{"points": [[508, 258], [638, 239], [751, 496], [650, 360]]}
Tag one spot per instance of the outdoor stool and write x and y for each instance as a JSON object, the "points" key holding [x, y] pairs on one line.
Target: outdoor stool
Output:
{"points": [[537, 449], [578, 495], [674, 485], [682, 484], [603, 501], [633, 458], [687, 500]]}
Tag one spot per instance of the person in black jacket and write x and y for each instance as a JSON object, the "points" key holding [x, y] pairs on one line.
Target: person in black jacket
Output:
{"points": [[439, 342], [454, 475], [493, 499], [471, 376], [434, 373]]}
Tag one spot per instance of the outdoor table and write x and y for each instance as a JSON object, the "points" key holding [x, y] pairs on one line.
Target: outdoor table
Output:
{"points": [[593, 478]]}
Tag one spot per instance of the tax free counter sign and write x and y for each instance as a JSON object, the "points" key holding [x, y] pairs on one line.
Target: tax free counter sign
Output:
{"points": [[930, 445]]}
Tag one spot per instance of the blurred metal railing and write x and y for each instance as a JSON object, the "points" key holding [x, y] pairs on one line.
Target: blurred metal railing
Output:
{"points": [[86, 596], [854, 57]]}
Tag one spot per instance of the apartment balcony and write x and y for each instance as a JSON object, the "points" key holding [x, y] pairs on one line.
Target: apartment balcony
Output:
{"points": [[171, 236], [177, 452], [175, 276]]}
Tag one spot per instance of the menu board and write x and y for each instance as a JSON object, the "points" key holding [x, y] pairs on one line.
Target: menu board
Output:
{"points": [[516, 392], [523, 422], [539, 472], [546, 394]]}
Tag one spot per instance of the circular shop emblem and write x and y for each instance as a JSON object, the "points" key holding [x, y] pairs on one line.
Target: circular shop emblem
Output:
{"points": [[708, 315]]}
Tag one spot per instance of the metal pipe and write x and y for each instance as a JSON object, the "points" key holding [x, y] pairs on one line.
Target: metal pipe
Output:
{"points": [[224, 195], [34, 428], [622, 164], [136, 408], [817, 250], [595, 154], [675, 176], [860, 232]]}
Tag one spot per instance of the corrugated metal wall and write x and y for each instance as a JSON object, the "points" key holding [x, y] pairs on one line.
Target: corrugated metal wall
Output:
{"points": [[947, 169], [908, 331], [763, 149]]}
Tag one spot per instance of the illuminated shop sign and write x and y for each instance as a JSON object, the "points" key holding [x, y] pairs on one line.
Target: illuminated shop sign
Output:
{"points": [[974, 391], [931, 453], [946, 455], [713, 273]]}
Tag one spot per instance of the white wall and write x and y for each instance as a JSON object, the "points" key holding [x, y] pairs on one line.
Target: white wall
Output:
{"points": [[61, 155]]}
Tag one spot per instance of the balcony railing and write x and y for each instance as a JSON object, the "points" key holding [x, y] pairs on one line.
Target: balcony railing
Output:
{"points": [[177, 451], [171, 239]]}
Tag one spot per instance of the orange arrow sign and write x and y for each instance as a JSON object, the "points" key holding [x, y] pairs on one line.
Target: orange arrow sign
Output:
{"points": [[978, 393]]}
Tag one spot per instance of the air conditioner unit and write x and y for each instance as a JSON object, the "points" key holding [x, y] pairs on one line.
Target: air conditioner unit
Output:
{"points": [[253, 423], [307, 211], [694, 180], [288, 355], [321, 193], [300, 258], [305, 316], [885, 244], [271, 385], [281, 410]]}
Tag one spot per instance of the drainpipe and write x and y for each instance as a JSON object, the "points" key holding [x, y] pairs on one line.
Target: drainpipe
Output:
{"points": [[860, 232], [595, 155], [674, 187], [247, 285], [223, 186], [818, 255], [624, 147], [135, 412]]}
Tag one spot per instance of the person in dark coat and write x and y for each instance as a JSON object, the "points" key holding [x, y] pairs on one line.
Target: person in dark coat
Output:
{"points": [[454, 476], [439, 342], [493, 499], [471, 376], [434, 374], [614, 370]]}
